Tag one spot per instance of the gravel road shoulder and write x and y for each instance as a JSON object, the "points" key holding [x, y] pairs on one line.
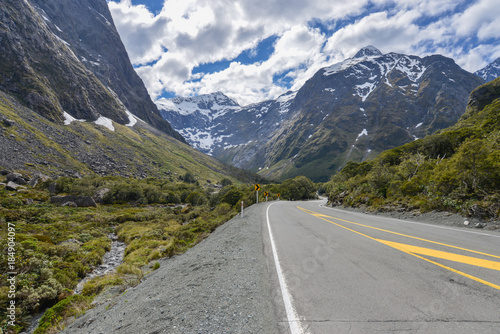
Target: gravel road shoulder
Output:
{"points": [[221, 285]]}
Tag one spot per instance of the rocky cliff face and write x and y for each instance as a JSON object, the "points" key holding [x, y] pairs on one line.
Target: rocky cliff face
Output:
{"points": [[349, 111], [71, 103], [65, 58]]}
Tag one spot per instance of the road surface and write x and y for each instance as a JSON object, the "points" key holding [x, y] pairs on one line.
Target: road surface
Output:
{"points": [[335, 271]]}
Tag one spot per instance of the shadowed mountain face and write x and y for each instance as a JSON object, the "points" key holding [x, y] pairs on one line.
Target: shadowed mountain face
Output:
{"points": [[349, 111], [71, 103], [66, 57]]}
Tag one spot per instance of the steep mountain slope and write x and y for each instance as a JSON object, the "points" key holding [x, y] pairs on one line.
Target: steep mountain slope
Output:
{"points": [[350, 111], [68, 107], [491, 71], [63, 58]]}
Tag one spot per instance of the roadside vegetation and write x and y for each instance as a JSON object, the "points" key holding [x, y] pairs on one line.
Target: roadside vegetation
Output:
{"points": [[57, 246], [456, 170]]}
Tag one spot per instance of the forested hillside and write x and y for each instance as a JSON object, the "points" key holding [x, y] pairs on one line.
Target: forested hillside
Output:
{"points": [[456, 169]]}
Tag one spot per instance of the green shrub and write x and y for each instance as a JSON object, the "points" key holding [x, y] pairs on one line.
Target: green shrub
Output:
{"points": [[11, 203]]}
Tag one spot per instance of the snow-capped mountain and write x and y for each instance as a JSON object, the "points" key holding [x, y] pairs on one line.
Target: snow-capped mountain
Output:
{"points": [[196, 118], [491, 71], [351, 110], [217, 125]]}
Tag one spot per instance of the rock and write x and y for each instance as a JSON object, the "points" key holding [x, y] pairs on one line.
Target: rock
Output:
{"points": [[99, 195], [8, 122], [11, 186], [466, 223], [80, 201], [4, 172], [17, 178]]}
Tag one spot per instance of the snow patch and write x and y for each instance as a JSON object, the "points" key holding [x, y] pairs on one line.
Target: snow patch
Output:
{"points": [[61, 40], [411, 67], [107, 122], [365, 90], [68, 119], [132, 118], [363, 133], [285, 100]]}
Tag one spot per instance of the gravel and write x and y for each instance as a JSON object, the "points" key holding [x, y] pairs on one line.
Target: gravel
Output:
{"points": [[220, 286]]}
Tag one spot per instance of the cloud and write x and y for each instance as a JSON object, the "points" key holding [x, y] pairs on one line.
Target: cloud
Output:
{"points": [[185, 34], [396, 33]]}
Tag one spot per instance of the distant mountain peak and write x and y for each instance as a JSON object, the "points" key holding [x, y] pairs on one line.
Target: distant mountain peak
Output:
{"points": [[491, 71], [368, 51]]}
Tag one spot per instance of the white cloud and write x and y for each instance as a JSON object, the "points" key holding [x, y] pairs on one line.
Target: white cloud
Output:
{"points": [[188, 33], [481, 19], [396, 33]]}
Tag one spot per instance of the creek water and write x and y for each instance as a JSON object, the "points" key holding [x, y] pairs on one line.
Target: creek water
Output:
{"points": [[110, 262]]}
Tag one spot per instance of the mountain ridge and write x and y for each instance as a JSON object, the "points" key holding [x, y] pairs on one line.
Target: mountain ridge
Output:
{"points": [[350, 110]]}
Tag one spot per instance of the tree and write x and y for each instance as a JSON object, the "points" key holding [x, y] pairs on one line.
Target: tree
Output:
{"points": [[298, 188]]}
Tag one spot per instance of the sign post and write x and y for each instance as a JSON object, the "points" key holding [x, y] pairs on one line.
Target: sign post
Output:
{"points": [[266, 193], [257, 188], [242, 208], [278, 194]]}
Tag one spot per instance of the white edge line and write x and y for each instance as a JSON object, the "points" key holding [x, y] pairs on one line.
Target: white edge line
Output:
{"points": [[456, 229], [291, 314]]}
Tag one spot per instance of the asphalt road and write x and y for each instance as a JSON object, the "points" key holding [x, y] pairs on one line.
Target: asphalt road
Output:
{"points": [[347, 272]]}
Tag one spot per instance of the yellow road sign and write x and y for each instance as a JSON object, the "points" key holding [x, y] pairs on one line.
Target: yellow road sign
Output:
{"points": [[257, 187], [278, 194], [266, 193]]}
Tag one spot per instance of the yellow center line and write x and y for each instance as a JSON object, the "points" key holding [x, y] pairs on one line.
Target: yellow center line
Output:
{"points": [[473, 261], [414, 250], [319, 215]]}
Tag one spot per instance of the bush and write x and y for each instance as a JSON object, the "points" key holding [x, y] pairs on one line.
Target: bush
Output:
{"points": [[299, 188]]}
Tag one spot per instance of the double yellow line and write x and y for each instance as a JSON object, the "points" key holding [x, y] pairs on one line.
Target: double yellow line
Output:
{"points": [[419, 251]]}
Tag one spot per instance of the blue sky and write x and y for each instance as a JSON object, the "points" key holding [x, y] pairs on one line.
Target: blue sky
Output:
{"points": [[253, 50]]}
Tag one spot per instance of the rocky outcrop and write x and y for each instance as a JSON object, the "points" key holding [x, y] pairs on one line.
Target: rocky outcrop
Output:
{"points": [[80, 201]]}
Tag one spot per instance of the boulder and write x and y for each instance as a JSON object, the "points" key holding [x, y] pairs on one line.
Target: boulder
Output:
{"points": [[12, 186], [16, 178], [80, 201]]}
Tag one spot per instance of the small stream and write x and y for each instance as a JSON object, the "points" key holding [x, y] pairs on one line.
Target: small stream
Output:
{"points": [[110, 262]]}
